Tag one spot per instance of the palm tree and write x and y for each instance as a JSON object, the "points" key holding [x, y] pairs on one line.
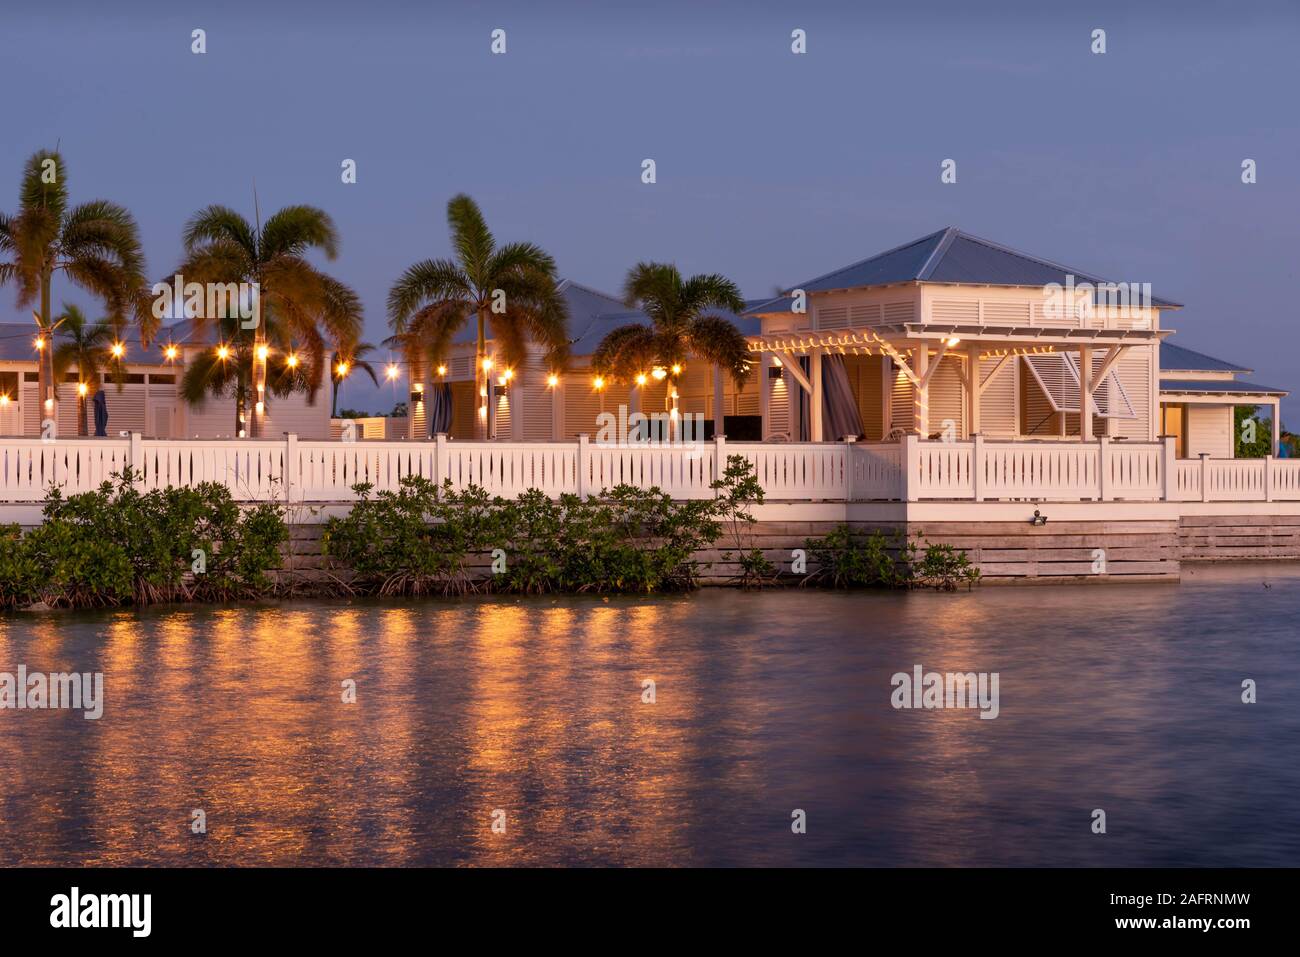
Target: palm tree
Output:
{"points": [[343, 364], [679, 326], [95, 245], [228, 370], [311, 308], [511, 287], [90, 347]]}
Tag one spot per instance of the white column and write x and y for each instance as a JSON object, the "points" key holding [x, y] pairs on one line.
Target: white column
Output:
{"points": [[1085, 393], [1277, 425], [921, 391], [765, 392], [973, 390], [817, 400], [718, 407]]}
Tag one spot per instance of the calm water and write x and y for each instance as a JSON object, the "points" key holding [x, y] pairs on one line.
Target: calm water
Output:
{"points": [[1124, 698]]}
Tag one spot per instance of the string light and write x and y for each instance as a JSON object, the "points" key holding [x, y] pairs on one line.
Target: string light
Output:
{"points": [[660, 373], [599, 382], [118, 350], [677, 369], [952, 342], [171, 352], [223, 353], [391, 372], [291, 361], [640, 379]]}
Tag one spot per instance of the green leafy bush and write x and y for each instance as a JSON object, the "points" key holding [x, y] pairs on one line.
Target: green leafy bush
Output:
{"points": [[846, 558], [738, 489], [117, 544], [422, 539]]}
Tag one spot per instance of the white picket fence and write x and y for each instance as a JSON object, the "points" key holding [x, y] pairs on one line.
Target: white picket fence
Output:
{"points": [[910, 470]]}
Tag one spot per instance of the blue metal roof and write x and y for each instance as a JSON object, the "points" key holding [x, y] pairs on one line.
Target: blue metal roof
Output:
{"points": [[1222, 387], [952, 256], [594, 314], [1177, 359]]}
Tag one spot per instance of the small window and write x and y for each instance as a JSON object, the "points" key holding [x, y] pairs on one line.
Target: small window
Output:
{"points": [[9, 384], [162, 379], [31, 377]]}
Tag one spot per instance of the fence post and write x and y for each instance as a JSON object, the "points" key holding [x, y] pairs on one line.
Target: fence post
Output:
{"points": [[1103, 468], [582, 465], [1205, 476], [1169, 470], [719, 456], [850, 467], [292, 493], [135, 459], [977, 466], [1268, 477], [439, 457], [911, 467]]}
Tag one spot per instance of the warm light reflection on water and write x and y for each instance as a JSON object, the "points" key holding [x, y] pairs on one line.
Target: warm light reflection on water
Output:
{"points": [[1125, 698]]}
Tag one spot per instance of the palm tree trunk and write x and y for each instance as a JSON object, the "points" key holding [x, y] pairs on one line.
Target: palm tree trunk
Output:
{"points": [[241, 399], [82, 430], [44, 377], [482, 383]]}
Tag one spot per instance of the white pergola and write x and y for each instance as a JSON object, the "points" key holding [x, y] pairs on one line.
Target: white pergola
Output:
{"points": [[916, 350]]}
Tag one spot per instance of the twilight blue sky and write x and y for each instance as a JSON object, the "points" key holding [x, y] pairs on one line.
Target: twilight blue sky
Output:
{"points": [[772, 167]]}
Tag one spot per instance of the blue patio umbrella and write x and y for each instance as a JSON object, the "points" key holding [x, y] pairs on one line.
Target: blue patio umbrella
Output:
{"points": [[101, 413]]}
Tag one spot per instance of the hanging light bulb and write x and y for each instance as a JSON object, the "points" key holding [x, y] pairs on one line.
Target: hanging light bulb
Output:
{"points": [[391, 372]]}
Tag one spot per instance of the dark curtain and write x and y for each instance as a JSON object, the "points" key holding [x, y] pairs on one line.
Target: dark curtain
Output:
{"points": [[440, 408], [839, 407], [100, 407]]}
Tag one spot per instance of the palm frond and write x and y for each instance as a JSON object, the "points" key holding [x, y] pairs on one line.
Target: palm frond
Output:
{"points": [[470, 236], [293, 230], [426, 282], [717, 341], [220, 223]]}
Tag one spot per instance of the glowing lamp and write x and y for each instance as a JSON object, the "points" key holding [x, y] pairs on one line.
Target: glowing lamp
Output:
{"points": [[487, 364], [341, 369], [259, 407], [40, 343], [442, 370], [291, 361], [640, 379], [598, 382], [223, 352], [263, 352], [118, 350], [171, 352], [660, 373], [82, 389], [552, 380], [677, 369], [953, 341], [391, 371]]}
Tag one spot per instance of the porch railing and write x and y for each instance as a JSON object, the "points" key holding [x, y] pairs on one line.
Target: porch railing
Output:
{"points": [[910, 470]]}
